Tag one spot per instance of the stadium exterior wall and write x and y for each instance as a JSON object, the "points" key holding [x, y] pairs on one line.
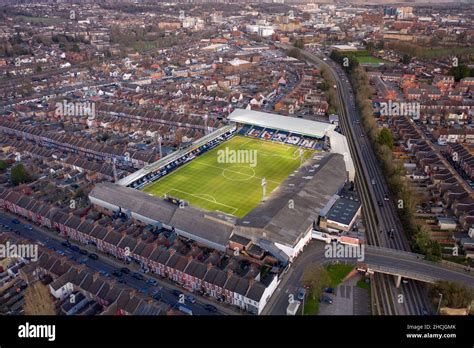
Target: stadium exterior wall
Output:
{"points": [[294, 251]]}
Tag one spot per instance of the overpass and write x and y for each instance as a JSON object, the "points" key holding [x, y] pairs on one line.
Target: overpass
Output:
{"points": [[413, 266]]}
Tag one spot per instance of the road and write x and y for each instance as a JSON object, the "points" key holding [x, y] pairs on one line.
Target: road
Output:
{"points": [[380, 215], [107, 265], [385, 227]]}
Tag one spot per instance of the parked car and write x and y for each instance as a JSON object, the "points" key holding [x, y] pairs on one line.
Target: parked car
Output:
{"points": [[117, 273], [137, 275], [125, 270], [74, 248], [15, 221], [122, 281], [190, 299], [143, 290], [210, 308], [66, 244], [329, 290], [104, 273], [177, 293], [326, 299], [301, 294], [60, 252], [83, 252], [94, 256], [185, 309], [151, 281], [83, 260]]}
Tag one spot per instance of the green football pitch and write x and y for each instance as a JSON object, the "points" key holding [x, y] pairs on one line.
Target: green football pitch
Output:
{"points": [[228, 179]]}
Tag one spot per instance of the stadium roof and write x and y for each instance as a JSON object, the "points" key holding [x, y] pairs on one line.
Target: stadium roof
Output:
{"points": [[343, 211], [310, 188], [286, 123]]}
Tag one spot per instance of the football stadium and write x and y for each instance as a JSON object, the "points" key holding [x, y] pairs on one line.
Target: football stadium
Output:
{"points": [[263, 177], [229, 177]]}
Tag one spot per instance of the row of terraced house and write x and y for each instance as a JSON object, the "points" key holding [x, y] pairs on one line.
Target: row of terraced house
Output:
{"points": [[250, 294]]}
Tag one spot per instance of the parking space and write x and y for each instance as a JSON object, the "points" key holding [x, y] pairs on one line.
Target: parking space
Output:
{"points": [[348, 299]]}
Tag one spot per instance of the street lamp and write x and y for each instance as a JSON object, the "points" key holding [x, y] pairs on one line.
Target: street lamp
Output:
{"points": [[205, 123], [440, 300]]}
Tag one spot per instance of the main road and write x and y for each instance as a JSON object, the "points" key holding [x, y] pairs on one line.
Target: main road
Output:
{"points": [[384, 227]]}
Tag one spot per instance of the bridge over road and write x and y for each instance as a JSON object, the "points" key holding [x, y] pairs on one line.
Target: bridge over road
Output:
{"points": [[412, 266]]}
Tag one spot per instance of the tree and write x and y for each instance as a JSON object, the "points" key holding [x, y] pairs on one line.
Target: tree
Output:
{"points": [[454, 295], [431, 249], [370, 46], [406, 59], [19, 175], [75, 48], [316, 278], [386, 138], [3, 165], [295, 53], [461, 71], [299, 43]]}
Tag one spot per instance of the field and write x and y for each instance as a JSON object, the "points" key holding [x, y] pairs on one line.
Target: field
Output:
{"points": [[368, 60], [215, 181]]}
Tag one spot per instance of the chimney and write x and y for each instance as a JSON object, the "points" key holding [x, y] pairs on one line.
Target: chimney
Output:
{"points": [[229, 273], [209, 266]]}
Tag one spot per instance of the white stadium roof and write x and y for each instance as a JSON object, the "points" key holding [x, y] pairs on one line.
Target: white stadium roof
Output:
{"points": [[300, 126], [286, 123]]}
